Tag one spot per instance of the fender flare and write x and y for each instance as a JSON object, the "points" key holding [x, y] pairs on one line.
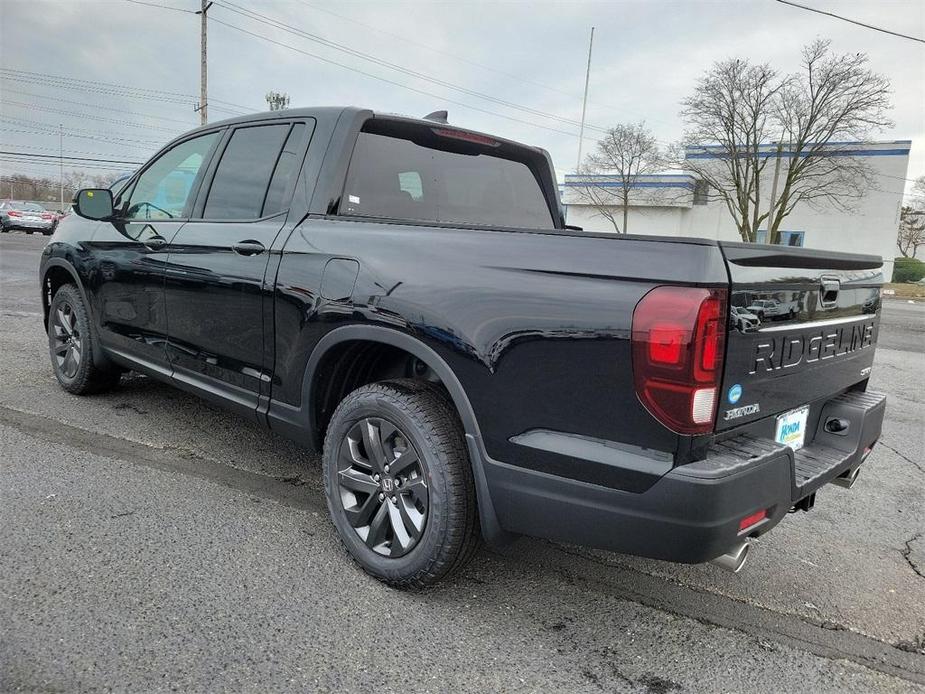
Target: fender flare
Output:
{"points": [[99, 358], [72, 271], [491, 528]]}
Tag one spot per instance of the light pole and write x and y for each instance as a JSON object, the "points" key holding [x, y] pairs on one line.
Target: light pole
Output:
{"points": [[61, 164], [584, 102]]}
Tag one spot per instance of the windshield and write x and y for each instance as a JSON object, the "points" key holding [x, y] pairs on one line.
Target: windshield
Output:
{"points": [[27, 207], [444, 179]]}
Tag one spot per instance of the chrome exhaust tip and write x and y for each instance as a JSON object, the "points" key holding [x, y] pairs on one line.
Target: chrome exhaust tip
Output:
{"points": [[848, 478], [734, 559]]}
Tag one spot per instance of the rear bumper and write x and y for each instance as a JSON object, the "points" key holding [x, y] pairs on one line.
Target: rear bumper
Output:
{"points": [[30, 225], [692, 513]]}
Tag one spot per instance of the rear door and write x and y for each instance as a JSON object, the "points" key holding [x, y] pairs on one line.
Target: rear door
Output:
{"points": [[215, 277], [820, 343]]}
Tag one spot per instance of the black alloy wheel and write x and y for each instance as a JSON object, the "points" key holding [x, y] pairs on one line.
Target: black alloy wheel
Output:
{"points": [[71, 345], [399, 484], [383, 486], [67, 348]]}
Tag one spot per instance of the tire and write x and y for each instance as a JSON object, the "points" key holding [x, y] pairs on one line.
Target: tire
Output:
{"points": [[29, 231], [412, 421], [70, 346]]}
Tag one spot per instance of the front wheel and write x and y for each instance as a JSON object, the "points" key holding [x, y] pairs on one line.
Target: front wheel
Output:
{"points": [[399, 484], [71, 346]]}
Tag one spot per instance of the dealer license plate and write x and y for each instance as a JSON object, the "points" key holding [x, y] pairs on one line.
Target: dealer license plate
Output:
{"points": [[791, 428]]}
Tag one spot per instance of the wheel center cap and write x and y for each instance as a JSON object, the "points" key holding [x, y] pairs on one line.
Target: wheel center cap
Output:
{"points": [[387, 484]]}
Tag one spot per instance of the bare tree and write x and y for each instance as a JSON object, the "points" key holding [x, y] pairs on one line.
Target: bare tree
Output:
{"points": [[917, 195], [41, 189], [737, 106], [611, 174], [911, 231]]}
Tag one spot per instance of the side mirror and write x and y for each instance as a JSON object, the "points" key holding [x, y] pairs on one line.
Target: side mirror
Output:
{"points": [[94, 203]]}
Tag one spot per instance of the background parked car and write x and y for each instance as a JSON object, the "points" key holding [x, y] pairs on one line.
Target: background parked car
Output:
{"points": [[28, 216], [772, 308], [743, 319]]}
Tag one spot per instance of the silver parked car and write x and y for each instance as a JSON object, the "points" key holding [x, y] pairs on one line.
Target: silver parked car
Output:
{"points": [[28, 216]]}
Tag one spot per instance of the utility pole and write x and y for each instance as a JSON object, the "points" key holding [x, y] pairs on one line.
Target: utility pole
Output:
{"points": [[203, 106], [770, 238], [584, 102], [61, 164]]}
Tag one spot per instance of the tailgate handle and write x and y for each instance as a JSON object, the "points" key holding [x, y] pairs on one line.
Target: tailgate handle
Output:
{"points": [[828, 293]]}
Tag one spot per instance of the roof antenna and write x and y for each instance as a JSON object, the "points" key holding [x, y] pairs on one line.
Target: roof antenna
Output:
{"points": [[438, 116]]}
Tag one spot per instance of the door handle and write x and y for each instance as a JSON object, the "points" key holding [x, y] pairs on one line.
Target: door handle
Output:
{"points": [[248, 247], [155, 243]]}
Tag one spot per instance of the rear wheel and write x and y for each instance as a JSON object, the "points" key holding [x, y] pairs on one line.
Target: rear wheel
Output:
{"points": [[71, 346], [399, 483]]}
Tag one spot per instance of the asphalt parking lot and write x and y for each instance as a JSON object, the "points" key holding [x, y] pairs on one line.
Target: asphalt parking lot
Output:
{"points": [[149, 541]]}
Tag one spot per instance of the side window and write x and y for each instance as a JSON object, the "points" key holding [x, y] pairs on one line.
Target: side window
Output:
{"points": [[242, 180], [286, 167], [163, 190]]}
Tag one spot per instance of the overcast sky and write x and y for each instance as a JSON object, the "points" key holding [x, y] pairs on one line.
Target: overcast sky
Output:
{"points": [[531, 54]]}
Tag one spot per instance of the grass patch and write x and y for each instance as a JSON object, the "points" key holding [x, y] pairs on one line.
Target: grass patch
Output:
{"points": [[905, 290]]}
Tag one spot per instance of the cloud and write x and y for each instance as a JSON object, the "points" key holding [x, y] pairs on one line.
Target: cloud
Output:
{"points": [[646, 58]]}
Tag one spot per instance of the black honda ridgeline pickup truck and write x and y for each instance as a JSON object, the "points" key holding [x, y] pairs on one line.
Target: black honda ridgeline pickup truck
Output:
{"points": [[405, 296]]}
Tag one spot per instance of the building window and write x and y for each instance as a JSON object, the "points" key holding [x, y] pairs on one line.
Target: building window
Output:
{"points": [[701, 192], [787, 238]]}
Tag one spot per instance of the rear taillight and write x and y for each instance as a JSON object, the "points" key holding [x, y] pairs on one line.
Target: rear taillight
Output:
{"points": [[14, 213], [679, 336], [47, 215]]}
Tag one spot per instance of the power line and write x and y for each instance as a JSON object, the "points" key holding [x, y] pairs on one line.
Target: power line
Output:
{"points": [[53, 164], [519, 78], [62, 81], [55, 149], [52, 156], [851, 21], [277, 24], [160, 7], [443, 99], [89, 116], [97, 106], [48, 128], [460, 58]]}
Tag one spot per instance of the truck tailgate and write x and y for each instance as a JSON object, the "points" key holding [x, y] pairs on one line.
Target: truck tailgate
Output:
{"points": [[802, 326]]}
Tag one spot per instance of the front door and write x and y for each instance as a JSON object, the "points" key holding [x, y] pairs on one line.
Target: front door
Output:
{"points": [[215, 278], [131, 252]]}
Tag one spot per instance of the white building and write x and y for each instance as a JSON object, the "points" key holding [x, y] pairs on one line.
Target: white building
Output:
{"points": [[675, 205]]}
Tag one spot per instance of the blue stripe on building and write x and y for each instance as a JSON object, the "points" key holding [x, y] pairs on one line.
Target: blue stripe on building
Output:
{"points": [[618, 184], [834, 153]]}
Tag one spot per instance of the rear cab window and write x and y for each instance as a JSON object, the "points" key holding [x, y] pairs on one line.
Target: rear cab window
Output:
{"points": [[255, 172], [437, 174]]}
